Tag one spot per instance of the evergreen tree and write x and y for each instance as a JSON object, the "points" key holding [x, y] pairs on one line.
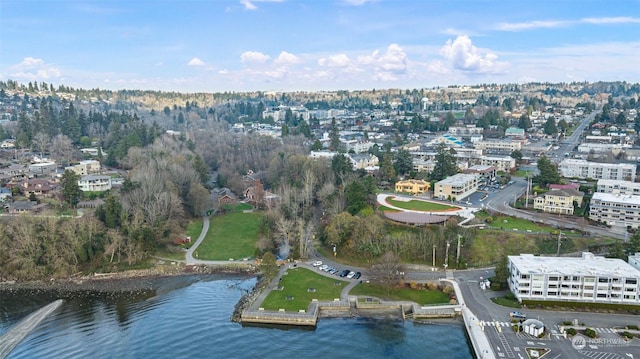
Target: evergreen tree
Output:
{"points": [[387, 171], [334, 136], [445, 163], [550, 127], [548, 172], [70, 188], [403, 162]]}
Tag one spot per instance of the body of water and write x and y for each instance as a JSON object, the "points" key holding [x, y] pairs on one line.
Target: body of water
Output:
{"points": [[192, 320]]}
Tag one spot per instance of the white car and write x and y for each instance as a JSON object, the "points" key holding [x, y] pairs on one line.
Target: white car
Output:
{"points": [[323, 267], [351, 274], [317, 263]]}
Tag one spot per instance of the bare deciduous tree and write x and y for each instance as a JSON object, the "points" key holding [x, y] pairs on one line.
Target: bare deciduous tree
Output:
{"points": [[387, 272]]}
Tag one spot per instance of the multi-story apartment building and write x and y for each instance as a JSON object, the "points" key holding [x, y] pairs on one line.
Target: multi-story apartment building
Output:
{"points": [[501, 163], [618, 187], [588, 278], [456, 187], [574, 168], [618, 210], [498, 146], [423, 166], [413, 186], [558, 201]]}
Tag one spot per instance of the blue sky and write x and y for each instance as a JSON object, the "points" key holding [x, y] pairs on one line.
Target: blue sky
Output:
{"points": [[300, 45]]}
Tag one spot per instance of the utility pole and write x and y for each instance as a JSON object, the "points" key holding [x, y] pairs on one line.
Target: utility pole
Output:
{"points": [[458, 253], [559, 242], [434, 256]]}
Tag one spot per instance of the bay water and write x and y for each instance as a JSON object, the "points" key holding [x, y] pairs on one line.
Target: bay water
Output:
{"points": [[192, 320]]}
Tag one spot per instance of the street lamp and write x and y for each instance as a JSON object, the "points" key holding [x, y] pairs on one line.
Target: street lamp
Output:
{"points": [[446, 258]]}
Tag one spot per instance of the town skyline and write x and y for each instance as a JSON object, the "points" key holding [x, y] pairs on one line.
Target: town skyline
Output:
{"points": [[277, 45]]}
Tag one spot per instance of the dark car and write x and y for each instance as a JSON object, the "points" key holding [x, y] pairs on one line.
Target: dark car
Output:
{"points": [[357, 275], [344, 273]]}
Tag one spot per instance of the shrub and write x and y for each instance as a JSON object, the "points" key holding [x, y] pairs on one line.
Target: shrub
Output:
{"points": [[448, 290], [627, 335], [566, 322], [632, 327], [432, 286], [413, 284], [510, 296], [590, 333], [572, 331]]}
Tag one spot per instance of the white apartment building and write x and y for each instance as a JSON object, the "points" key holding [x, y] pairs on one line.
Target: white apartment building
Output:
{"points": [[456, 187], [501, 163], [498, 146], [588, 278], [94, 183], [620, 210], [574, 168], [618, 187]]}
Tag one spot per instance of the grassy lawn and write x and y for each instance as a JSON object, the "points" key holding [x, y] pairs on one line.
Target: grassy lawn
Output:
{"points": [[417, 205], [511, 303], [296, 284], [509, 223], [237, 207], [232, 235], [419, 296], [386, 209], [521, 173], [193, 230]]}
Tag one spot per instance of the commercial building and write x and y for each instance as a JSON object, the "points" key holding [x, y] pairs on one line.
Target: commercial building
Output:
{"points": [[620, 210], [588, 278], [413, 186], [456, 187], [574, 168], [558, 201]]}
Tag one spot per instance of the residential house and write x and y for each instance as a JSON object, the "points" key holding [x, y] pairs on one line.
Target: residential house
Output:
{"points": [[363, 161], [23, 207], [39, 187], [94, 183], [85, 167], [559, 201]]}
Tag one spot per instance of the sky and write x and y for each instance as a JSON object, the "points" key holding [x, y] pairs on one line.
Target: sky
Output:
{"points": [[316, 45]]}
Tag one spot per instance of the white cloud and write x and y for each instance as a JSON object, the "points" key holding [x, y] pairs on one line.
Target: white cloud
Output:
{"points": [[520, 26], [463, 55], [286, 58], [356, 2], [33, 69], [196, 62], [254, 57], [537, 24], [611, 20], [250, 4], [30, 63], [335, 61]]}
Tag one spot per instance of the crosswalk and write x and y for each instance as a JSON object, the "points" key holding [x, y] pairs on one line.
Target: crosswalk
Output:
{"points": [[495, 324]]}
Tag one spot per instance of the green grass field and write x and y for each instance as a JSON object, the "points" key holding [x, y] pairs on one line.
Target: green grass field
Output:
{"points": [[420, 296], [511, 223], [417, 205], [237, 207], [296, 285], [232, 235]]}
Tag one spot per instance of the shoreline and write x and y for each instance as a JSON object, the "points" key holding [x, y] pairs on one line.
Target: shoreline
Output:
{"points": [[125, 281]]}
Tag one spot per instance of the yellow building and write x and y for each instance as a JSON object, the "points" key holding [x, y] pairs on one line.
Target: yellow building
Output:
{"points": [[413, 186], [558, 201]]}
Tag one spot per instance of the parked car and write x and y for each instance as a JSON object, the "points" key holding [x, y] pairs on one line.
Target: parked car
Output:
{"points": [[351, 274], [357, 275], [323, 267], [344, 273], [317, 263], [517, 315]]}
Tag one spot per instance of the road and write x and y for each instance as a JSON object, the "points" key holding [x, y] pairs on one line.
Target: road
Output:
{"points": [[568, 144]]}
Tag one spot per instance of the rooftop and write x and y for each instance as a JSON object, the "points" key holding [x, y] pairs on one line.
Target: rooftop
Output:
{"points": [[616, 198], [458, 179], [587, 265]]}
